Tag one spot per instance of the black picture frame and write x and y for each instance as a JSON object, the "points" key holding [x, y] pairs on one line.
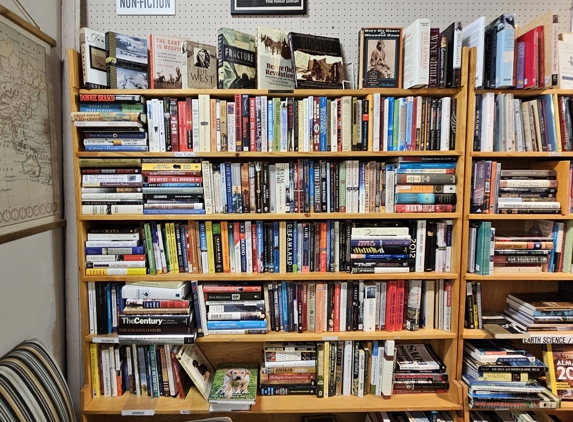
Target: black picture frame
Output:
{"points": [[268, 7]]}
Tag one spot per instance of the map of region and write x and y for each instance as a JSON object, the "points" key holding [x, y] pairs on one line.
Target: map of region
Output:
{"points": [[26, 174]]}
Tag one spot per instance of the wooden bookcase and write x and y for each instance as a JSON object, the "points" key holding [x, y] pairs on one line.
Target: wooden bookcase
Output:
{"points": [[247, 348], [495, 287]]}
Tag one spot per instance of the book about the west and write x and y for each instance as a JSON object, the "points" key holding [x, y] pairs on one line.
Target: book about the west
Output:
{"points": [[199, 65], [92, 48], [380, 57], [126, 61], [236, 60], [235, 383], [317, 61], [165, 62], [274, 61]]}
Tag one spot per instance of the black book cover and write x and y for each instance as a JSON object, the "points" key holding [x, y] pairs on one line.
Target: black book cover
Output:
{"points": [[311, 252], [271, 305], [332, 369], [290, 245], [334, 180], [299, 289], [323, 186], [306, 185], [258, 187], [349, 306], [434, 62], [380, 53], [430, 252], [316, 200], [330, 307], [290, 306], [266, 188]]}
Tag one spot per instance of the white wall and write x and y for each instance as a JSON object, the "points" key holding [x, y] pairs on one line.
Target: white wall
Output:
{"points": [[32, 300]]}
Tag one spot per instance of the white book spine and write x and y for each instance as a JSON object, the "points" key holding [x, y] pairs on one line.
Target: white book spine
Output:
{"points": [[343, 302], [281, 187], [207, 188], [195, 123], [361, 374], [445, 124], [421, 245], [153, 147], [305, 125], [369, 312], [91, 307], [170, 375], [382, 313], [105, 365], [376, 122], [347, 369], [388, 368], [385, 127], [346, 123], [374, 367], [204, 123], [311, 306], [488, 116], [334, 125], [429, 304], [202, 308], [136, 385], [161, 117], [264, 122]]}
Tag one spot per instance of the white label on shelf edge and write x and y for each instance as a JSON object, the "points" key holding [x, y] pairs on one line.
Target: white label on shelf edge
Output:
{"points": [[108, 340], [330, 338], [138, 412], [185, 412], [184, 154], [549, 339]]}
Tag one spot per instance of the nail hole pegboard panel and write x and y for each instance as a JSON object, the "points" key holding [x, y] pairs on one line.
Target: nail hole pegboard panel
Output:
{"points": [[199, 20]]}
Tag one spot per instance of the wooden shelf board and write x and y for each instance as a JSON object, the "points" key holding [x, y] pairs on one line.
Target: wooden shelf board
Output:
{"points": [[475, 334], [271, 155], [273, 217], [500, 154], [521, 277], [488, 217], [315, 276]]}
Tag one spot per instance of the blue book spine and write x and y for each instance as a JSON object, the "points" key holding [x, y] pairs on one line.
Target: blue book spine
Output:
{"points": [[183, 233], [111, 108], [409, 116], [295, 247], [175, 211], [390, 145], [97, 250], [284, 316], [224, 188], [150, 386], [310, 185], [520, 65], [361, 186], [229, 188], [230, 325], [552, 255], [276, 246], [550, 122], [415, 198], [243, 245], [270, 124], [260, 247], [108, 307], [427, 165], [505, 44], [116, 147], [203, 240], [323, 123], [279, 296]]}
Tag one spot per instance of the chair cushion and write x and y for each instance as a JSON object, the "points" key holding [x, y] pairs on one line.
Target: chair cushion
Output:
{"points": [[32, 387]]}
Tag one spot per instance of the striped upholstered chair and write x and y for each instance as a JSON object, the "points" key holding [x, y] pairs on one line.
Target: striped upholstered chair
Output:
{"points": [[32, 387]]}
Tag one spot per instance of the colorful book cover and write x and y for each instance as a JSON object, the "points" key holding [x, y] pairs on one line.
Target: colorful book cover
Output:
{"points": [[165, 62], [559, 360], [317, 61], [92, 47], [235, 383], [380, 58], [274, 64], [236, 60], [126, 61], [199, 64], [194, 362]]}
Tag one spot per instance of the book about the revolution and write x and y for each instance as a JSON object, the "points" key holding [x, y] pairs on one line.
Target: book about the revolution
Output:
{"points": [[236, 60], [199, 65], [274, 63]]}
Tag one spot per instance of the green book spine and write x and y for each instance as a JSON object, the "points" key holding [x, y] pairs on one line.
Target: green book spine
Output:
{"points": [[320, 369], [149, 248]]}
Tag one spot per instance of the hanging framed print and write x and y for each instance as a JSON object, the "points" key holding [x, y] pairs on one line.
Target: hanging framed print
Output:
{"points": [[268, 7]]}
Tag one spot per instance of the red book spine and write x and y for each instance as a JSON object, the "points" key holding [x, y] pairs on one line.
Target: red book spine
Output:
{"points": [[319, 320], [209, 288], [189, 123], [541, 57], [339, 125], [254, 246], [181, 118], [238, 126], [304, 306], [400, 298], [415, 129], [337, 306], [316, 125], [179, 179], [323, 235], [391, 299], [252, 124], [173, 124], [177, 376]]}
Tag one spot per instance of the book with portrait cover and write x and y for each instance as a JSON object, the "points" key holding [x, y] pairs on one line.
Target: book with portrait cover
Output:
{"points": [[126, 61], [274, 64], [92, 47], [380, 53], [194, 362], [165, 62], [236, 60], [317, 61], [199, 64], [559, 360], [235, 383]]}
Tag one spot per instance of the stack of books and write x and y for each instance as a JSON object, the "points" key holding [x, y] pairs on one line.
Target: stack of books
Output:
{"points": [[234, 309], [423, 185], [540, 312], [288, 368], [172, 186], [115, 250], [500, 375], [419, 370], [408, 416], [511, 415], [159, 312], [379, 249], [234, 387], [112, 122], [111, 186]]}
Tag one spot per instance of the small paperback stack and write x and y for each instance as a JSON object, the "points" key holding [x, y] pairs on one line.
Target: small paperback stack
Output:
{"points": [[172, 186], [421, 185], [511, 415], [114, 250], [508, 383], [380, 249], [111, 186], [409, 416], [288, 368], [540, 312], [158, 312], [527, 181], [419, 370], [112, 122], [234, 309], [234, 387]]}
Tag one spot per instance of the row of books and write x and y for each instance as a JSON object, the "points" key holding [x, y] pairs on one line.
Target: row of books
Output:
{"points": [[208, 247], [506, 123], [519, 191], [143, 370], [508, 415], [540, 247], [522, 391], [409, 416]]}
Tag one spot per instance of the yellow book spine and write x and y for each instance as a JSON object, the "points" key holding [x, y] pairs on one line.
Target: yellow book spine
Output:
{"points": [[96, 391], [116, 271], [173, 258], [326, 367], [210, 250], [549, 362], [171, 166]]}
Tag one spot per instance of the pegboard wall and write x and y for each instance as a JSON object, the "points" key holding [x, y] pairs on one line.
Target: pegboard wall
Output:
{"points": [[199, 20]]}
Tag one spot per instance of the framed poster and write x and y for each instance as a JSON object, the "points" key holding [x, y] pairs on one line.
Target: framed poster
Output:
{"points": [[29, 171], [268, 7]]}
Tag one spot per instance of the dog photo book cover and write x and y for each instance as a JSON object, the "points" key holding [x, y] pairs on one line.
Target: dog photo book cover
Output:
{"points": [[197, 367], [235, 383]]}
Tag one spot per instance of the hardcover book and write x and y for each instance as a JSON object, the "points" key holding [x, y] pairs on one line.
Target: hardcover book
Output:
{"points": [[194, 362], [235, 383], [92, 48], [126, 61], [199, 64], [236, 60], [317, 61], [380, 53], [417, 54], [165, 62], [274, 61]]}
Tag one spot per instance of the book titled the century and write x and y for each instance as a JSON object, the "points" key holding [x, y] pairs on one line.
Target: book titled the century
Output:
{"points": [[126, 61], [317, 61], [165, 62], [380, 57], [274, 64], [236, 60], [199, 65]]}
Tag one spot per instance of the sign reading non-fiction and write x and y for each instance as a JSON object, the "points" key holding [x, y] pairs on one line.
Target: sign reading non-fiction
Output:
{"points": [[146, 7], [267, 7]]}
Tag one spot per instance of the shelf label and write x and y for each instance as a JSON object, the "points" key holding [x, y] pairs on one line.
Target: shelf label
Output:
{"points": [[549, 339], [107, 340], [185, 412], [138, 412], [184, 154], [555, 154], [330, 338]]}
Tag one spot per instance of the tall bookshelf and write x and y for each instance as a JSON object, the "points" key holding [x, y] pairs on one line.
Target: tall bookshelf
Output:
{"points": [[495, 287], [247, 348]]}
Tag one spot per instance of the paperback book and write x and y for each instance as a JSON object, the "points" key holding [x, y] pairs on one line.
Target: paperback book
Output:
{"points": [[235, 384], [165, 62], [380, 58], [274, 60], [92, 48], [199, 64], [236, 60], [126, 61]]}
